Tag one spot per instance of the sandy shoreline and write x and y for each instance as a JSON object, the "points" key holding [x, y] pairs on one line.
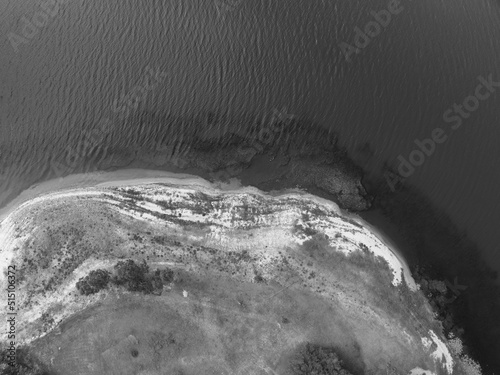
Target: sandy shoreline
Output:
{"points": [[87, 180], [77, 184]]}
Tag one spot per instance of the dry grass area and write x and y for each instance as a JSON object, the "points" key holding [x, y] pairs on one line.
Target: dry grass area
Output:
{"points": [[221, 328], [252, 283]]}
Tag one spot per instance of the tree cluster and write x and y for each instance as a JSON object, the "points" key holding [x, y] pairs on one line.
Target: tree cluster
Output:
{"points": [[95, 281], [132, 276], [317, 360]]}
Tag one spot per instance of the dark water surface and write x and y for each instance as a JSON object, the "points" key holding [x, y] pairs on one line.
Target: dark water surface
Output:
{"points": [[254, 56]]}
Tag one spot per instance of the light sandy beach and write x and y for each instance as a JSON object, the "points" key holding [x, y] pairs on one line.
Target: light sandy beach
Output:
{"points": [[81, 183], [86, 180]]}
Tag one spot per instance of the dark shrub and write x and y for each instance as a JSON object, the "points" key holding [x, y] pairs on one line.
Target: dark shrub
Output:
{"points": [[167, 275], [317, 360], [157, 282], [133, 276], [92, 283], [259, 279]]}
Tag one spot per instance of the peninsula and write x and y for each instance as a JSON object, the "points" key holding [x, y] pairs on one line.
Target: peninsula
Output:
{"points": [[237, 281]]}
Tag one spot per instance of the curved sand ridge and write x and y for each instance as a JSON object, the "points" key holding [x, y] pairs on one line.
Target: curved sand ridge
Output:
{"points": [[95, 184]]}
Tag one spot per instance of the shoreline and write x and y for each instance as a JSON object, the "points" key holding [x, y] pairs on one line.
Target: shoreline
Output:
{"points": [[439, 246], [77, 183]]}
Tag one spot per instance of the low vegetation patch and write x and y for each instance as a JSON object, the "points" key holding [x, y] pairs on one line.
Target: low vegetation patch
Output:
{"points": [[94, 282], [133, 276], [317, 360], [128, 274]]}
